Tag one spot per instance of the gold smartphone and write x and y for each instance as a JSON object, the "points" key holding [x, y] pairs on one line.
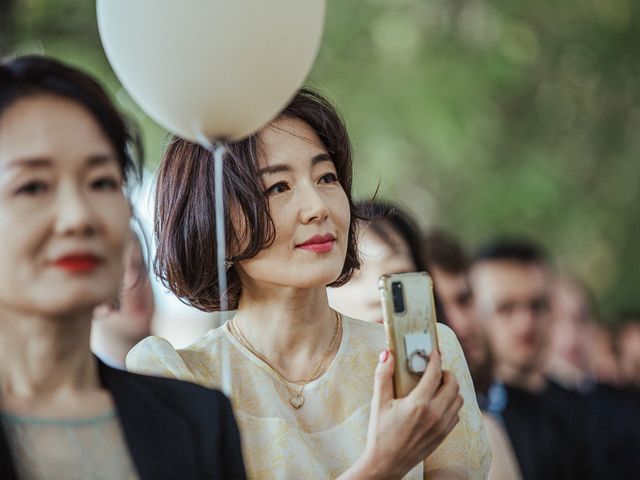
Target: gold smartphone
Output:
{"points": [[410, 324]]}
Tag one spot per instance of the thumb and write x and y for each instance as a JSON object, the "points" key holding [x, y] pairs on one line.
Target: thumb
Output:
{"points": [[383, 381]]}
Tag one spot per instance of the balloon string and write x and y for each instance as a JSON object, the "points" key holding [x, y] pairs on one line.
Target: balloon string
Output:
{"points": [[219, 149], [218, 158]]}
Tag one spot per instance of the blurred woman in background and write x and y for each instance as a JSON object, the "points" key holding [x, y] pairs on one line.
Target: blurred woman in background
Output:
{"points": [[66, 157]]}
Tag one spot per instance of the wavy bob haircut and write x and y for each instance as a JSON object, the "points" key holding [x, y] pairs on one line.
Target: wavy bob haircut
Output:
{"points": [[185, 221]]}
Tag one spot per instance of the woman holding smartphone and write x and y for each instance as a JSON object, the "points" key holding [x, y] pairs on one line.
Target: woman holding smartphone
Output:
{"points": [[312, 388], [66, 158]]}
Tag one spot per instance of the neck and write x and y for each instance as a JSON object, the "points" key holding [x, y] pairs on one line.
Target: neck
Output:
{"points": [[293, 328], [43, 358], [531, 380], [567, 374], [111, 346]]}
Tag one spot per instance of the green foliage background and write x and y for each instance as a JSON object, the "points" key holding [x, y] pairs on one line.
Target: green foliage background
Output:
{"points": [[483, 117]]}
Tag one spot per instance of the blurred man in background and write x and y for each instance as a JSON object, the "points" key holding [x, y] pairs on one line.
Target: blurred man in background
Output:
{"points": [[613, 423], [511, 281], [603, 360], [448, 265], [628, 349], [571, 333]]}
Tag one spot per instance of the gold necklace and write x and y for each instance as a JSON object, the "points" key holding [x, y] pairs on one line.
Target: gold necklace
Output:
{"points": [[298, 399]]}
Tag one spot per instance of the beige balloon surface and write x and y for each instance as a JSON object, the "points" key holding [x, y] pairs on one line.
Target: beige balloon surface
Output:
{"points": [[222, 68]]}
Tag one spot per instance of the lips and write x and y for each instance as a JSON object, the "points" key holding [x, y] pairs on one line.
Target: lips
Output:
{"points": [[318, 243], [78, 263], [528, 341]]}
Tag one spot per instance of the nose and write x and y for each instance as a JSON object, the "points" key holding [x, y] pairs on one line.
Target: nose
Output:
{"points": [[313, 207], [526, 320], [464, 325], [74, 215]]}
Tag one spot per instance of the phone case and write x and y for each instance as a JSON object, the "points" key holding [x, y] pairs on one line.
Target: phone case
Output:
{"points": [[412, 334]]}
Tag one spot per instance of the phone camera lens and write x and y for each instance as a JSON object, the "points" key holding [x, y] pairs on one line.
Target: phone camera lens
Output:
{"points": [[398, 297]]}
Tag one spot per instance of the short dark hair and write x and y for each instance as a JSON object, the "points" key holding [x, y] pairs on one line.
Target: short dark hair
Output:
{"points": [[443, 251], [37, 75], [185, 223], [513, 250], [381, 216]]}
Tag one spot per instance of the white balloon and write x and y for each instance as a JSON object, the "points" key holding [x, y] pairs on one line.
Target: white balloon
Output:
{"points": [[219, 68]]}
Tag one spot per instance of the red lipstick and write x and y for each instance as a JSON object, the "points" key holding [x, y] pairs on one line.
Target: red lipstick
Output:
{"points": [[319, 243], [78, 263]]}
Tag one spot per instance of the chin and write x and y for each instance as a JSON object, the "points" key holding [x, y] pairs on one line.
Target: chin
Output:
{"points": [[312, 278], [78, 301], [61, 310], [312, 283], [526, 365]]}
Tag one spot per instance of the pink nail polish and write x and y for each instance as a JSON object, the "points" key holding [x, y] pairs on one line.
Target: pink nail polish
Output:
{"points": [[384, 354]]}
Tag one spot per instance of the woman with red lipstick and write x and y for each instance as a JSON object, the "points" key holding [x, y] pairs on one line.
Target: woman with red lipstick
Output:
{"points": [[312, 388], [65, 162]]}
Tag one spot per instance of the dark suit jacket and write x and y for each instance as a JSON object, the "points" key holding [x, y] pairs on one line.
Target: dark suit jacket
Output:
{"points": [[613, 432], [174, 430], [545, 429]]}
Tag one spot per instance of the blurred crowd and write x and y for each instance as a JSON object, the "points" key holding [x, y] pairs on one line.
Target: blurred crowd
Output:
{"points": [[558, 384]]}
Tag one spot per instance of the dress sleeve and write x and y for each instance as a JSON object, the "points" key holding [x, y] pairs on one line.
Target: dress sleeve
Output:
{"points": [[465, 453], [155, 356]]}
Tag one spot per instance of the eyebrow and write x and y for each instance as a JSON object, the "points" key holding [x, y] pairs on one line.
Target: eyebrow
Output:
{"points": [[43, 162], [30, 163], [278, 168], [100, 159]]}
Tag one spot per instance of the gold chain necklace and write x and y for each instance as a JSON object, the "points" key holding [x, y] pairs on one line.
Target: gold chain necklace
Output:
{"points": [[298, 399]]}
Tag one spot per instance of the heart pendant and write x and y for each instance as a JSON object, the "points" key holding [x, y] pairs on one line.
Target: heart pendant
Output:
{"points": [[297, 401]]}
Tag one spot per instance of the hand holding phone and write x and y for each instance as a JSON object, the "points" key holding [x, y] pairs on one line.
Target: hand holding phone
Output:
{"points": [[405, 431], [410, 325]]}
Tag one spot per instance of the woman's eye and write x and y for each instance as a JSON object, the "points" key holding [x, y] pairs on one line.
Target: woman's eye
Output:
{"points": [[279, 187], [329, 178], [32, 188], [105, 183]]}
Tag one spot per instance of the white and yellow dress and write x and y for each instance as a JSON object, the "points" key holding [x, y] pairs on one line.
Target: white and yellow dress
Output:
{"points": [[329, 433]]}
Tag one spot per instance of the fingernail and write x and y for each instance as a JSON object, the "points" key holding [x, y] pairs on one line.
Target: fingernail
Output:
{"points": [[384, 354]]}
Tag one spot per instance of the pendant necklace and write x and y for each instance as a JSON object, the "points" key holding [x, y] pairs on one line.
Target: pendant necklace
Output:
{"points": [[297, 400]]}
